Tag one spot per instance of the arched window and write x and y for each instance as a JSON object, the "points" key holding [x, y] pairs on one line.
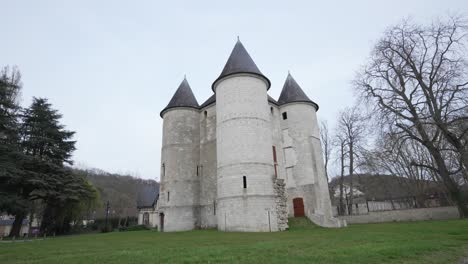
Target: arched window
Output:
{"points": [[146, 219]]}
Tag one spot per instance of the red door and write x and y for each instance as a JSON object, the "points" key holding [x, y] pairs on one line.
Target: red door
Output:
{"points": [[298, 204]]}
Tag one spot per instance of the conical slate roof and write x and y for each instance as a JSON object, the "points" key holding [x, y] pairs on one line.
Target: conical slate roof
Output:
{"points": [[183, 97], [292, 92], [240, 62]]}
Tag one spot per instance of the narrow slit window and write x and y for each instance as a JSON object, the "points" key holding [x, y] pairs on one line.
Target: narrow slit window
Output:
{"points": [[271, 109], [168, 193], [244, 179], [205, 113], [163, 171], [285, 115], [275, 162], [274, 155], [198, 170], [214, 207]]}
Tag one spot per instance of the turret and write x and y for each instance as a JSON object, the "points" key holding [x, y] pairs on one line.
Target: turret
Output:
{"points": [[245, 171], [179, 189], [306, 182]]}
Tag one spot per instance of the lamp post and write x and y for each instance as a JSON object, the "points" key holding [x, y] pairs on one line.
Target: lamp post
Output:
{"points": [[107, 214]]}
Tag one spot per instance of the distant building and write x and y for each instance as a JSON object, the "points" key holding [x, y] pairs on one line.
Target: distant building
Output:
{"points": [[7, 223], [241, 161], [146, 204]]}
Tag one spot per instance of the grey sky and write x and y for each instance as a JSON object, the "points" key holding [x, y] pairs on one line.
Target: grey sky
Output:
{"points": [[111, 66]]}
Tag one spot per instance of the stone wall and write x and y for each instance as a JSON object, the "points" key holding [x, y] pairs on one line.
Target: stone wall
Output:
{"points": [[245, 171], [179, 191], [281, 204], [207, 167], [153, 216], [420, 214]]}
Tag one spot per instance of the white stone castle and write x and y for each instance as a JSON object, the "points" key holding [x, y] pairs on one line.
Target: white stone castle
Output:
{"points": [[241, 161]]}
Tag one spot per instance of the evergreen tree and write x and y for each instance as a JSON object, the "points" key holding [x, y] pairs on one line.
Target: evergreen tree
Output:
{"points": [[11, 173], [34, 149], [43, 136], [45, 139], [10, 88]]}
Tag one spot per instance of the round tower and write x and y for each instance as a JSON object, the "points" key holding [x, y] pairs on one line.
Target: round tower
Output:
{"points": [[306, 181], [179, 183], [246, 198]]}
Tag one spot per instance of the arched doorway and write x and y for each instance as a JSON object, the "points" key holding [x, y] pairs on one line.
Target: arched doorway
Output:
{"points": [[161, 222], [146, 219], [298, 205]]}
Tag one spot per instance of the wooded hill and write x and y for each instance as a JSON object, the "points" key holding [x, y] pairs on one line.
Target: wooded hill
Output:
{"points": [[120, 190]]}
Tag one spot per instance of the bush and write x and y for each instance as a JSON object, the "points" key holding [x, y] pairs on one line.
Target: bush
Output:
{"points": [[105, 229], [134, 228]]}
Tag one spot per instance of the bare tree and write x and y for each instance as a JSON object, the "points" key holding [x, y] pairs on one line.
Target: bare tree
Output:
{"points": [[417, 81], [397, 157], [340, 142], [351, 132], [327, 145]]}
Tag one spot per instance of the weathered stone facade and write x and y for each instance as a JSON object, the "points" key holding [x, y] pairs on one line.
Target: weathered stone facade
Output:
{"points": [[237, 161], [281, 204]]}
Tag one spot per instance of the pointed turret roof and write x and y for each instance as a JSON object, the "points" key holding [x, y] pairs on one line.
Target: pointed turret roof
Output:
{"points": [[240, 62], [183, 97], [292, 92]]}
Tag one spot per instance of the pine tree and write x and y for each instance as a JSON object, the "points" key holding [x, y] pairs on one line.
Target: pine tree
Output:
{"points": [[11, 174], [10, 88], [34, 149], [46, 141], [43, 136]]}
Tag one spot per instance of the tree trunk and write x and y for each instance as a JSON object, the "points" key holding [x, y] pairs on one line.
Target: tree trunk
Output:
{"points": [[341, 206], [455, 193], [351, 172], [17, 224]]}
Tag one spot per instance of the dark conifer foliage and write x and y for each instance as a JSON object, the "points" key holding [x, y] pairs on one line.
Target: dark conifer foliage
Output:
{"points": [[34, 149], [43, 136], [10, 86]]}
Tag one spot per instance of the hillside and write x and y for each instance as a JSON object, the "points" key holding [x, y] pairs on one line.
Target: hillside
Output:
{"points": [[382, 187], [120, 190]]}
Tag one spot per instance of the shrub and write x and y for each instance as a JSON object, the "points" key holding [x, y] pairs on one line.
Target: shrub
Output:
{"points": [[137, 228]]}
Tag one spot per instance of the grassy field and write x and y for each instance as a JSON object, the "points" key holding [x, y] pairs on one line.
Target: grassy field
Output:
{"points": [[415, 242]]}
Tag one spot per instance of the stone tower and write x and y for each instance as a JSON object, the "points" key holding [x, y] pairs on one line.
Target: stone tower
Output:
{"points": [[241, 161], [305, 171], [179, 189], [245, 171]]}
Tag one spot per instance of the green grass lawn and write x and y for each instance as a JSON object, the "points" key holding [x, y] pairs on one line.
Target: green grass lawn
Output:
{"points": [[413, 242]]}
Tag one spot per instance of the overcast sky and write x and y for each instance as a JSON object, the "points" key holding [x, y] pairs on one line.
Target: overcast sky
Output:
{"points": [[110, 66]]}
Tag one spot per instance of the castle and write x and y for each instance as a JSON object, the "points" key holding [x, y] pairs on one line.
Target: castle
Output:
{"points": [[241, 161]]}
